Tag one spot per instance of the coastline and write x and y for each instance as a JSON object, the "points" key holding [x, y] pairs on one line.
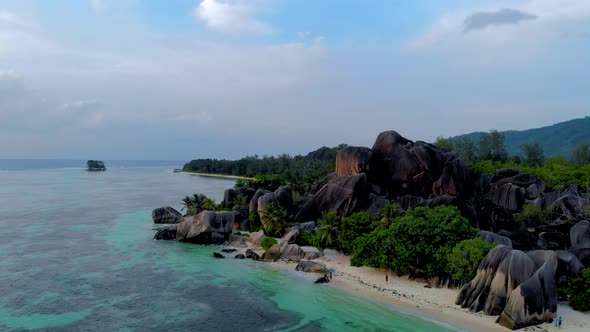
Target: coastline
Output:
{"points": [[222, 176], [431, 304]]}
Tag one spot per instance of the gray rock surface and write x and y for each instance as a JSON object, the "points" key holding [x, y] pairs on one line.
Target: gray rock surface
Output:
{"points": [[207, 227], [166, 215], [311, 266]]}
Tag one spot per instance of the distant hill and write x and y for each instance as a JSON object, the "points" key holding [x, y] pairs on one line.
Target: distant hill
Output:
{"points": [[557, 140]]}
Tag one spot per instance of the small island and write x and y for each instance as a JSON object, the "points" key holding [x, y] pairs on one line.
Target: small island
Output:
{"points": [[95, 166]]}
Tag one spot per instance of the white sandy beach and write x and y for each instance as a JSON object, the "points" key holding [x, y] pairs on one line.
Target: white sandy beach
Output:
{"points": [[234, 177], [432, 303]]}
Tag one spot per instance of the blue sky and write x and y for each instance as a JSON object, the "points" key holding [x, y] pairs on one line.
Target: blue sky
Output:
{"points": [[182, 79]]}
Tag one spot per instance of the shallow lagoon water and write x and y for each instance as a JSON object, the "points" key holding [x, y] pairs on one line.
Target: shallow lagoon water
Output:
{"points": [[77, 254]]}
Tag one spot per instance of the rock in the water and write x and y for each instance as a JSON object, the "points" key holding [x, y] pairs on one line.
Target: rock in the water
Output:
{"points": [[352, 160], [311, 266], [218, 255], [229, 250], [207, 227], [322, 280], [272, 254], [167, 232], [491, 237], [240, 256], [253, 254], [166, 215]]}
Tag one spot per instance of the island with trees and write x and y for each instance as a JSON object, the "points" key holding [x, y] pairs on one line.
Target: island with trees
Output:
{"points": [[95, 166], [510, 231]]}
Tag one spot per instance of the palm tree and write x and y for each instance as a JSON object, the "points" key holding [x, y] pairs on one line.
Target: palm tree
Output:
{"points": [[188, 205], [209, 204], [273, 220], [198, 202], [328, 232]]}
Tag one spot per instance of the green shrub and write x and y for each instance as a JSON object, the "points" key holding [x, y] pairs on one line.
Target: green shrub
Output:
{"points": [[578, 291], [465, 258], [534, 215], [307, 239], [254, 224], [242, 234], [268, 242], [419, 240], [353, 227]]}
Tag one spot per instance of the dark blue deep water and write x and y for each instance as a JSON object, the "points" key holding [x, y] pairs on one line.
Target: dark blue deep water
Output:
{"points": [[77, 254]]}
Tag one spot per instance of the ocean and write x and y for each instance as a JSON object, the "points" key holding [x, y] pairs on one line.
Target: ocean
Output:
{"points": [[77, 254]]}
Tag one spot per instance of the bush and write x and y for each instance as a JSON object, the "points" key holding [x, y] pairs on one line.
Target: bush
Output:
{"points": [[533, 215], [465, 258], [268, 242], [242, 234], [307, 239], [254, 224], [419, 240], [353, 227], [578, 291]]}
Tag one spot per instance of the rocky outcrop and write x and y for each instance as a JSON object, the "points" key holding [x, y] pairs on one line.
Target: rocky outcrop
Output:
{"points": [[207, 227], [272, 254], [580, 234], [256, 237], [291, 236], [281, 199], [166, 215], [519, 287], [345, 195], [311, 266], [292, 252], [531, 302], [491, 237], [166, 232], [253, 206], [231, 196], [352, 160], [253, 254]]}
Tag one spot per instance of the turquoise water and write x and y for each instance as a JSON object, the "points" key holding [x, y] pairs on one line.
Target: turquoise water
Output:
{"points": [[76, 254]]}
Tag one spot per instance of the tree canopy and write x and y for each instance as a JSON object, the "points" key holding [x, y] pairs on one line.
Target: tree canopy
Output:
{"points": [[95, 166]]}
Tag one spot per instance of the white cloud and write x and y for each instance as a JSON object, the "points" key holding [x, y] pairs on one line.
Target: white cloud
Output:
{"points": [[79, 104], [237, 17], [539, 23]]}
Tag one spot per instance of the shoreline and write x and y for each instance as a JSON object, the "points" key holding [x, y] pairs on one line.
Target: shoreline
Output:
{"points": [[222, 176], [412, 298]]}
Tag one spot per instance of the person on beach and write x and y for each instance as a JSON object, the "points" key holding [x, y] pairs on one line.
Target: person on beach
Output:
{"points": [[559, 323], [386, 278], [330, 275]]}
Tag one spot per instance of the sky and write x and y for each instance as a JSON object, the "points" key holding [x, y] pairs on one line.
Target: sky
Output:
{"points": [[185, 79]]}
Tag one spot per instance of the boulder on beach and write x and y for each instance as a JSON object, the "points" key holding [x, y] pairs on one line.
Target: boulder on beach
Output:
{"points": [[218, 255], [272, 254], [240, 256], [311, 266], [207, 227], [292, 252], [256, 238], [253, 254], [166, 215]]}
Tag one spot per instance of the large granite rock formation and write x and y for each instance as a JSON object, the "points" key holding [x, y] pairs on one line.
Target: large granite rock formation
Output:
{"points": [[345, 195], [166, 215], [490, 237], [311, 266], [580, 234], [166, 232], [519, 287], [207, 227], [230, 196], [352, 160]]}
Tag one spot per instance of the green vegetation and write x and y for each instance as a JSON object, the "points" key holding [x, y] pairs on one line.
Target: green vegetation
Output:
{"points": [[581, 155], [242, 234], [268, 242], [198, 203], [420, 240], [465, 257], [307, 239], [266, 181], [300, 171], [353, 227], [274, 220], [492, 146], [532, 215], [557, 173], [578, 291], [95, 166], [533, 154], [327, 234], [560, 139]]}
